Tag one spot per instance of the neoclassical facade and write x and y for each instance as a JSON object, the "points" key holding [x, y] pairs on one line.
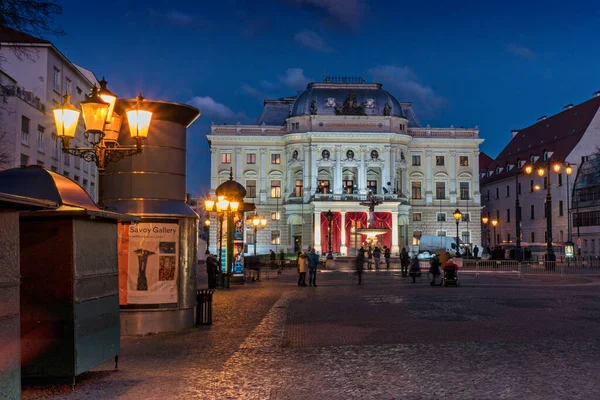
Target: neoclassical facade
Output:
{"points": [[330, 146]]}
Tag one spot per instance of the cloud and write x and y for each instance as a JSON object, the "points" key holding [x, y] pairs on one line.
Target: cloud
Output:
{"points": [[210, 108], [313, 41], [294, 79], [405, 85], [180, 19], [521, 51], [346, 12], [252, 91]]}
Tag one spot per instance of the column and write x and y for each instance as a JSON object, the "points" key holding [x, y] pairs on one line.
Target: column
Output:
{"points": [[263, 176], [289, 185], [214, 174], [393, 168], [452, 173], [428, 178], [238, 166], [313, 168], [386, 173], [306, 182], [337, 180], [362, 173], [344, 247], [395, 247], [317, 231], [475, 181]]}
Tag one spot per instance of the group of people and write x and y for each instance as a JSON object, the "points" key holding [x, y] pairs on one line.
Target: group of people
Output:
{"points": [[373, 256], [308, 260]]}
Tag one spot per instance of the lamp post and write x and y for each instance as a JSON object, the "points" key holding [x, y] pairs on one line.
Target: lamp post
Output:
{"points": [[518, 214], [544, 169], [207, 229], [569, 246], [457, 215], [329, 217], [494, 223], [102, 127], [256, 223], [485, 221]]}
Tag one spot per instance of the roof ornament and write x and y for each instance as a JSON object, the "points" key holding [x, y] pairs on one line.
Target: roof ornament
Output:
{"points": [[344, 79]]}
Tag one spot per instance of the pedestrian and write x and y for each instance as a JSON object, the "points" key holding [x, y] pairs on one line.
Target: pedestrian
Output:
{"points": [[475, 251], [211, 270], [281, 258], [415, 269], [370, 257], [404, 261], [434, 269], [386, 255], [377, 257], [302, 261], [272, 259], [360, 264], [313, 263]]}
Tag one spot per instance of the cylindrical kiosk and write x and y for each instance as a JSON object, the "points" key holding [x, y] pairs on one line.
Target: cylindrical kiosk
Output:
{"points": [[157, 256]]}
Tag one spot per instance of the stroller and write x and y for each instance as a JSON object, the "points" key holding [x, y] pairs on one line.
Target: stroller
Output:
{"points": [[450, 275]]}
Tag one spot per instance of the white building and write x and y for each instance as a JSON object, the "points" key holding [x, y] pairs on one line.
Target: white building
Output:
{"points": [[569, 136], [32, 82], [327, 148]]}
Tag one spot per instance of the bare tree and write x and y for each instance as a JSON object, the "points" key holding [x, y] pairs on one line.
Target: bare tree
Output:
{"points": [[5, 155]]}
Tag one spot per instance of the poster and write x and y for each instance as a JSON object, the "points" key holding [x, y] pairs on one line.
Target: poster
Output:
{"points": [[152, 258]]}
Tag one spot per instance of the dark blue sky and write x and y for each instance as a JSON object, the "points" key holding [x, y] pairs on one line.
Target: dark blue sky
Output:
{"points": [[466, 63]]}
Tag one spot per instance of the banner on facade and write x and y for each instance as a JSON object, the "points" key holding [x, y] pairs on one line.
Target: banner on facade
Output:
{"points": [[150, 254]]}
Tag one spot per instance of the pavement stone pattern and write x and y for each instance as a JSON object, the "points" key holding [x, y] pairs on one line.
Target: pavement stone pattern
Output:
{"points": [[494, 337]]}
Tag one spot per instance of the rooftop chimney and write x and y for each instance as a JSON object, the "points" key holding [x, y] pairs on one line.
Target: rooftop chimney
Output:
{"points": [[514, 132], [570, 105]]}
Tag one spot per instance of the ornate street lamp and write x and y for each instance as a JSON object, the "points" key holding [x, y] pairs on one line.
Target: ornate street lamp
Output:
{"points": [[257, 223], [102, 126], [569, 246], [518, 256], [494, 223], [485, 221], [329, 216], [207, 230], [457, 215]]}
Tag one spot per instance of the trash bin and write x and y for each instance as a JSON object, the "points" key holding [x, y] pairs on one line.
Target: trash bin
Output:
{"points": [[204, 307]]}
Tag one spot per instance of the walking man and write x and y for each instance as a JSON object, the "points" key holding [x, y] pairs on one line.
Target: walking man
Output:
{"points": [[475, 251], [360, 264], [404, 261], [377, 257], [386, 255], [313, 263], [211, 270]]}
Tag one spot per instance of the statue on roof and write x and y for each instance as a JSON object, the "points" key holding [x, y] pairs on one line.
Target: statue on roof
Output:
{"points": [[387, 109], [350, 106], [313, 107]]}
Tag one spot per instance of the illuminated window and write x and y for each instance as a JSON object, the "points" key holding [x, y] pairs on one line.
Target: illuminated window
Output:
{"points": [[251, 158], [299, 188], [275, 237], [417, 238], [275, 158], [276, 189], [275, 216], [416, 160], [226, 158], [439, 161], [416, 190], [464, 161], [417, 216], [251, 189]]}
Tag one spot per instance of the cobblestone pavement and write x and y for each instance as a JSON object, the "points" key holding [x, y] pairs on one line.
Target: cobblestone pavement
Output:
{"points": [[492, 338]]}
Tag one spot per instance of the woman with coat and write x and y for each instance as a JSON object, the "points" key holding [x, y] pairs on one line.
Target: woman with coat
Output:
{"points": [[404, 261], [360, 264], [415, 269], [302, 264]]}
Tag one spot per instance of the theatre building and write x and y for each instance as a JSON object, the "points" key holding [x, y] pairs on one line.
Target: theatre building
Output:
{"points": [[330, 146]]}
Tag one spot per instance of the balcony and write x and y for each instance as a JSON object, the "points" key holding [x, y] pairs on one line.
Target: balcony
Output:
{"points": [[350, 197]]}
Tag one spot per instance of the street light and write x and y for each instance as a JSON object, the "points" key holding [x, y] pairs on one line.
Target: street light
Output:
{"points": [[256, 223], [457, 215], [102, 126], [518, 213], [207, 230], [485, 221], [329, 216], [569, 246], [494, 223]]}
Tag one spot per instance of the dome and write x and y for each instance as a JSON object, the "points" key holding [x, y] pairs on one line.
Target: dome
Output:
{"points": [[328, 97], [39, 183], [232, 190]]}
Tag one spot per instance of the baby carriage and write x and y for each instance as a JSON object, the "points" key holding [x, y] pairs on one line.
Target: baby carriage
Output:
{"points": [[450, 275]]}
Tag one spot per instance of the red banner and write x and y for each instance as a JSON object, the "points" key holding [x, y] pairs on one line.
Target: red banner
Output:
{"points": [[351, 218], [336, 232], [384, 220]]}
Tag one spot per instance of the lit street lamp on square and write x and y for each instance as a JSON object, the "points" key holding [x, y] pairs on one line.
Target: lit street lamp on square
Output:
{"points": [[457, 216], [329, 216]]}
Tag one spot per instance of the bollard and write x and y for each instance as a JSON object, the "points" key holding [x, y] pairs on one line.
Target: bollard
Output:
{"points": [[204, 307]]}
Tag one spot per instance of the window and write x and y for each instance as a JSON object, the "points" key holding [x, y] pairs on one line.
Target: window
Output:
{"points": [[497, 193], [464, 190], [416, 190], [40, 163], [299, 188], [275, 158], [251, 189], [417, 238], [275, 237], [66, 173], [76, 178], [562, 238], [498, 215], [441, 216], [466, 217], [78, 162], [372, 186], [348, 186], [416, 216], [559, 179], [86, 166], [560, 208], [439, 161], [532, 237], [440, 190], [67, 159], [441, 233], [92, 188], [54, 145], [68, 85], [275, 216], [56, 80], [519, 188], [251, 158], [464, 161], [507, 190], [416, 160], [250, 237], [323, 186], [465, 236], [79, 91], [276, 189], [24, 129], [85, 183], [531, 185], [532, 211], [226, 158], [24, 160], [40, 138], [508, 215], [53, 168]]}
